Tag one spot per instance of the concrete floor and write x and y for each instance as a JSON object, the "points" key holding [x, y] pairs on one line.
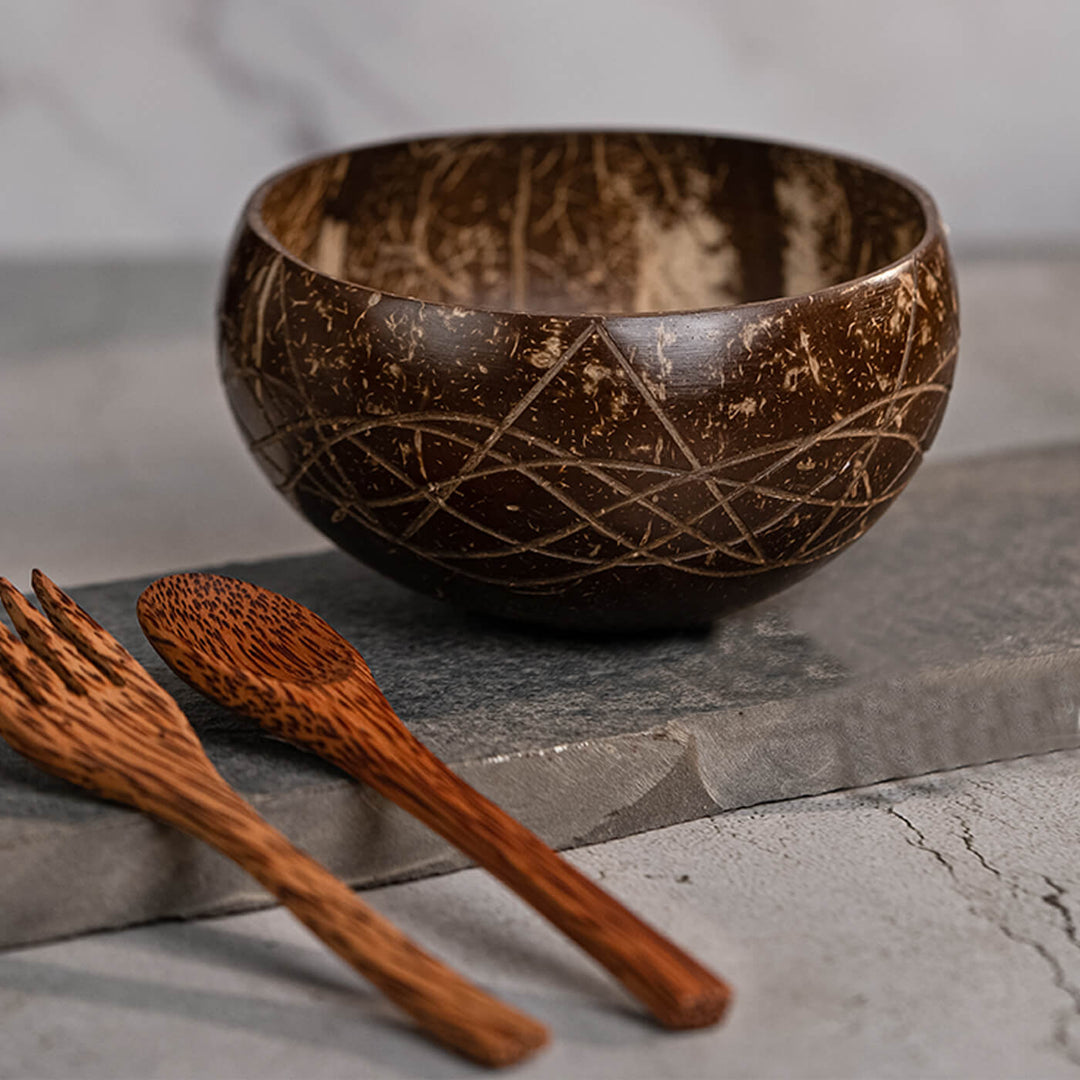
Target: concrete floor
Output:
{"points": [[925, 928]]}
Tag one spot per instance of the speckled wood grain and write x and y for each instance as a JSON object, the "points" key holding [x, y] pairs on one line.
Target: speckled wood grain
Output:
{"points": [[596, 380]]}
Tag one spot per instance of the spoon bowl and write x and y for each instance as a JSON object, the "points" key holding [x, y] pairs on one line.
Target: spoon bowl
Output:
{"points": [[247, 647]]}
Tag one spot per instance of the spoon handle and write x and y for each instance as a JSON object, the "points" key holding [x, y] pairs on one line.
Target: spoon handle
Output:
{"points": [[450, 1008], [679, 991]]}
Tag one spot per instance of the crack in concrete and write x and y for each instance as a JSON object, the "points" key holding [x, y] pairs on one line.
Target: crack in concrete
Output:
{"points": [[969, 843], [743, 839], [920, 842], [1061, 982], [1056, 901], [1058, 975]]}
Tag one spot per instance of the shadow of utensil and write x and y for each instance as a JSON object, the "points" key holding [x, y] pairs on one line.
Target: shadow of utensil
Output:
{"points": [[533, 950], [283, 961], [423, 912], [355, 1022]]}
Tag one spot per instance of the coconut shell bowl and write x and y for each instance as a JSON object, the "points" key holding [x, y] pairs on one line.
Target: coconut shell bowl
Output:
{"points": [[602, 381]]}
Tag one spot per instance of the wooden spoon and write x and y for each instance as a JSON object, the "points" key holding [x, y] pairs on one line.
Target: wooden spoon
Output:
{"points": [[280, 664], [76, 702]]}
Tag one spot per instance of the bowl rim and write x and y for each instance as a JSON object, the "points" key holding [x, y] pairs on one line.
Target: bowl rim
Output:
{"points": [[934, 230]]}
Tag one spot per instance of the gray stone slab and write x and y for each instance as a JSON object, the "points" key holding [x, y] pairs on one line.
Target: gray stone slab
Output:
{"points": [[48, 304], [950, 635]]}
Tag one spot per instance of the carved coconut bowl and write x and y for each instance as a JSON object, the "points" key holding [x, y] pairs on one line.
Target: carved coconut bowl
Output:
{"points": [[595, 380]]}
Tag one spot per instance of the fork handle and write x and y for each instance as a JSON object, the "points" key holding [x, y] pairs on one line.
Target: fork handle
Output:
{"points": [[449, 1007], [679, 991]]}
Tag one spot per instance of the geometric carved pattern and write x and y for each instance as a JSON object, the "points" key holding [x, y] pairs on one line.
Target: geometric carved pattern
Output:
{"points": [[547, 462], [555, 456]]}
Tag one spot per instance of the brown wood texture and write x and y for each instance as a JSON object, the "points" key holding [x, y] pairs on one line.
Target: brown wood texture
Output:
{"points": [[600, 380], [74, 701], [280, 664]]}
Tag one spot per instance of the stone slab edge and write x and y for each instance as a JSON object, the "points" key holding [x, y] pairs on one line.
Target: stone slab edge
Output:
{"points": [[694, 767]]}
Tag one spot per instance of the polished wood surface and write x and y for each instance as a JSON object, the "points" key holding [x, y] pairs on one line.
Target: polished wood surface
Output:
{"points": [[603, 380], [74, 701], [280, 664]]}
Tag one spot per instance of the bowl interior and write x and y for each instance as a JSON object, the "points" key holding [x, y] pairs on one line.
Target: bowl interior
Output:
{"points": [[600, 223]]}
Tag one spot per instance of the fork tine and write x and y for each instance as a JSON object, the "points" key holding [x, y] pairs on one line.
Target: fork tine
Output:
{"points": [[90, 639], [11, 693], [40, 635], [17, 711], [26, 670]]}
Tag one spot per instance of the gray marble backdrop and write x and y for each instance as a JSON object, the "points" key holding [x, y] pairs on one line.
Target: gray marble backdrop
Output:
{"points": [[138, 126]]}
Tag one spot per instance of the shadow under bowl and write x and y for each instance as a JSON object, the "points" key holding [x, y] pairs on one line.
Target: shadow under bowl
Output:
{"points": [[600, 380]]}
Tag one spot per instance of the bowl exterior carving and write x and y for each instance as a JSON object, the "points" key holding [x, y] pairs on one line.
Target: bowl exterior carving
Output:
{"points": [[593, 470]]}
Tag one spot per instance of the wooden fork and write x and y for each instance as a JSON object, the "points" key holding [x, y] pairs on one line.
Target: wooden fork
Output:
{"points": [[77, 703]]}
